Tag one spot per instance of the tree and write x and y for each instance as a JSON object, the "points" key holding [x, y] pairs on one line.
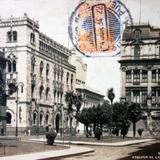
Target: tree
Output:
{"points": [[110, 95], [78, 103], [134, 114], [84, 117], [73, 100], [120, 118]]}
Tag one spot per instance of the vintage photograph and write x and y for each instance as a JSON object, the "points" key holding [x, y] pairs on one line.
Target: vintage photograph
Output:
{"points": [[79, 79]]}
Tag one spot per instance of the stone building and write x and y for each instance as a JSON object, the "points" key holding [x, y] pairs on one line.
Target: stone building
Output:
{"points": [[140, 68], [40, 69]]}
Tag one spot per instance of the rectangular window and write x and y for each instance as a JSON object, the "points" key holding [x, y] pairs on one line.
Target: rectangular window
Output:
{"points": [[159, 75], [144, 97], [136, 76], [128, 76], [128, 96], [136, 96], [153, 96], [153, 76], [144, 76]]}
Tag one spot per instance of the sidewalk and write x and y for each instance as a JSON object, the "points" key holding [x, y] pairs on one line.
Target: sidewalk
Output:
{"points": [[72, 151]]}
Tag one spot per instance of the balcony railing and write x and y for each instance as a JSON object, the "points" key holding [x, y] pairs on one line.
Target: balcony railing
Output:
{"points": [[136, 83]]}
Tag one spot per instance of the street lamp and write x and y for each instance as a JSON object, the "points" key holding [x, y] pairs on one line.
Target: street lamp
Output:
{"points": [[19, 84]]}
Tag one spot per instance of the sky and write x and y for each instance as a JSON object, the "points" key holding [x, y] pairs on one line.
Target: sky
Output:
{"points": [[53, 16]]}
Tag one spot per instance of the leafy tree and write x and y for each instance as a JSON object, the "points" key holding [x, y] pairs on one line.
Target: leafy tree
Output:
{"points": [[120, 116], [124, 128], [110, 95], [134, 114], [70, 99], [73, 99], [84, 117], [78, 102]]}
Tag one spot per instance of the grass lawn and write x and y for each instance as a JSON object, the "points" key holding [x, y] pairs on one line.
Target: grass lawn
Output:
{"points": [[27, 147]]}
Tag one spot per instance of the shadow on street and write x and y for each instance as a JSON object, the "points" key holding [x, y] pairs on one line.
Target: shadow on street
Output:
{"points": [[148, 152]]}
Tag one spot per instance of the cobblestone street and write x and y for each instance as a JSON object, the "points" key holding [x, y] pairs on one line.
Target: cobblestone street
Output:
{"points": [[144, 151]]}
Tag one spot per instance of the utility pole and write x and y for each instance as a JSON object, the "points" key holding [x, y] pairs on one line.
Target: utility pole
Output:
{"points": [[2, 94]]}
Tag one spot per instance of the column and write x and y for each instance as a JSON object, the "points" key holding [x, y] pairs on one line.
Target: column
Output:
{"points": [[140, 100], [156, 75], [132, 75], [123, 83], [149, 82], [131, 95], [140, 76]]}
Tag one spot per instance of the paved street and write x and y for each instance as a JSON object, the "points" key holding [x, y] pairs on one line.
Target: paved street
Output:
{"points": [[144, 151]]}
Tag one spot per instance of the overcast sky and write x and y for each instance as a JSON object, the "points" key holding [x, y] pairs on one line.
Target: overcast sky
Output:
{"points": [[53, 16]]}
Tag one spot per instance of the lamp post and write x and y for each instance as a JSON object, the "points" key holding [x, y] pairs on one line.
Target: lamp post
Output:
{"points": [[19, 84]]}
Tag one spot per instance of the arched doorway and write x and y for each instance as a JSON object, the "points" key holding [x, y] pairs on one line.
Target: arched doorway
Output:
{"points": [[57, 123], [9, 118]]}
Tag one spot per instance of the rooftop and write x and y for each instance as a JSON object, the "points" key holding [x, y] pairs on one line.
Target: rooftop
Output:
{"points": [[146, 32]]}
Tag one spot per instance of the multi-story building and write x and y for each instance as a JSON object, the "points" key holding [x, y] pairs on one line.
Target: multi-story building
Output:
{"points": [[40, 69], [90, 96], [140, 67]]}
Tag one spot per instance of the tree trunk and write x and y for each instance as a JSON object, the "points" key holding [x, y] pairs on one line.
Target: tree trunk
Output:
{"points": [[87, 131], [134, 129]]}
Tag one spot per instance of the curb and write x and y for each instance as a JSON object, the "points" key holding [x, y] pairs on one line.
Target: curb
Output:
{"points": [[114, 144]]}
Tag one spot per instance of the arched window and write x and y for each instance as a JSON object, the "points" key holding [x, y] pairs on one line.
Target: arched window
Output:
{"points": [[137, 51], [67, 77], [41, 91], [9, 118], [41, 118], [47, 93], [41, 68], [32, 88], [47, 70], [33, 61], [34, 118], [71, 79], [47, 118], [32, 38], [9, 36], [9, 66], [14, 66], [14, 36], [137, 34], [62, 75]]}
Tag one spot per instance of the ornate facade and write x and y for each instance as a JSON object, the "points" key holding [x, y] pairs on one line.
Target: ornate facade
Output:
{"points": [[140, 68], [40, 69]]}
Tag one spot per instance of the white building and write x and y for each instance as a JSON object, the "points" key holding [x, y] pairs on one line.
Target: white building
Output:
{"points": [[91, 97], [42, 67]]}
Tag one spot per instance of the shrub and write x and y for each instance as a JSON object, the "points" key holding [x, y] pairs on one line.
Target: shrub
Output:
{"points": [[140, 131], [98, 133], [51, 135]]}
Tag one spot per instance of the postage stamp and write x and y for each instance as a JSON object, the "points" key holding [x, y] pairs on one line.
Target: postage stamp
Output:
{"points": [[95, 27]]}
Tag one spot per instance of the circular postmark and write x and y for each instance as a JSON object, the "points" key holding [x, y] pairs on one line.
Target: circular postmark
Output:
{"points": [[95, 26]]}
